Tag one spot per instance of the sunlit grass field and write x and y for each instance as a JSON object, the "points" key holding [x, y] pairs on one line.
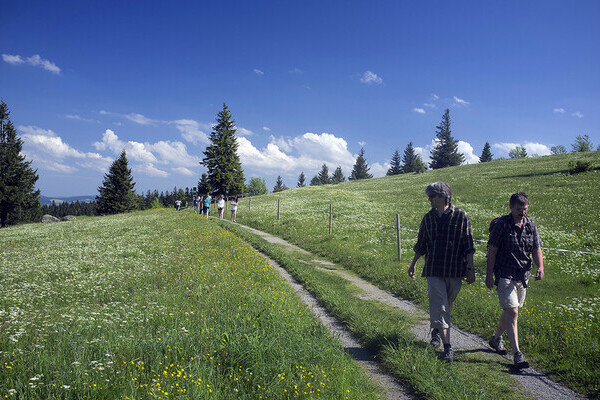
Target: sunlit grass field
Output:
{"points": [[560, 324], [157, 305]]}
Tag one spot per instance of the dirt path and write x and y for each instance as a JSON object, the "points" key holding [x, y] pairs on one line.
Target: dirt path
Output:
{"points": [[533, 381]]}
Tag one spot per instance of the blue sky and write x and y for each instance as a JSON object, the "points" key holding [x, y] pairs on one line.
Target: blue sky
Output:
{"points": [[307, 82]]}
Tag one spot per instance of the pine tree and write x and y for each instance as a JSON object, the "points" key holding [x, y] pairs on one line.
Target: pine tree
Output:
{"points": [[315, 181], [360, 170], [323, 175], [396, 166], [279, 186], [338, 176], [486, 154], [411, 161], [582, 144], [301, 180], [117, 193], [19, 200], [445, 153], [225, 174], [203, 185]]}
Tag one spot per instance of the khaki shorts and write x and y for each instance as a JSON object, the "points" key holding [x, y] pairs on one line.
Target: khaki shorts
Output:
{"points": [[511, 294]]}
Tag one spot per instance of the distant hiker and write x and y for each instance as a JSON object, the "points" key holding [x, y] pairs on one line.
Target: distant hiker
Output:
{"points": [[221, 206], [513, 240], [234, 204], [197, 200], [446, 239], [178, 204], [206, 202]]}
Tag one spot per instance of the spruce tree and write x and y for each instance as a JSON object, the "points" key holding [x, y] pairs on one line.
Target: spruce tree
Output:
{"points": [[301, 180], [117, 193], [486, 154], [323, 175], [225, 174], [203, 185], [411, 161], [396, 164], [19, 200], [445, 152], [315, 181], [360, 170], [338, 176], [279, 186]]}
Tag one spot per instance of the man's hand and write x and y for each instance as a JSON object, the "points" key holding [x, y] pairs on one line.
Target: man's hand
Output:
{"points": [[470, 276], [411, 271], [539, 275], [489, 281]]}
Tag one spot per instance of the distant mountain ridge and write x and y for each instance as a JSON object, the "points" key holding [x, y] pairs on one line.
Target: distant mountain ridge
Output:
{"points": [[58, 200]]}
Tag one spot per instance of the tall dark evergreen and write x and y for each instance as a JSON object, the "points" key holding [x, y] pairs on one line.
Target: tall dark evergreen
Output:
{"points": [[395, 164], [411, 161], [301, 180], [445, 152], [323, 175], [279, 186], [117, 193], [19, 200], [203, 185], [225, 174], [486, 154], [338, 176], [360, 170]]}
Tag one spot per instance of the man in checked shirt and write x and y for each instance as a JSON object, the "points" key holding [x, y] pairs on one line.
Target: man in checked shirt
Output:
{"points": [[446, 239], [513, 238]]}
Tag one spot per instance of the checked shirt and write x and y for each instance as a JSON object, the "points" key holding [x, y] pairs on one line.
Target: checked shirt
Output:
{"points": [[445, 241]]}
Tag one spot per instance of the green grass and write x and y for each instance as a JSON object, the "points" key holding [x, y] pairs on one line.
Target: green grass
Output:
{"points": [[159, 305], [560, 324]]}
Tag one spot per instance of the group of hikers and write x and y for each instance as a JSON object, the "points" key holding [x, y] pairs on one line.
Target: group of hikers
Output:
{"points": [[446, 240], [202, 205]]}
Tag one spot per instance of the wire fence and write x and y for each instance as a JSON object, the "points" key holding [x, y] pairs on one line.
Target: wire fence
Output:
{"points": [[397, 227]]}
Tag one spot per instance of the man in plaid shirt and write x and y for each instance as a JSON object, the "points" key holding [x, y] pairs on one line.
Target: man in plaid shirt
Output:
{"points": [[446, 239], [513, 238]]}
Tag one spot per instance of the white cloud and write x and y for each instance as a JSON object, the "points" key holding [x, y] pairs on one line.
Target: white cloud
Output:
{"points": [[531, 148], [183, 171], [362, 144], [378, 170], [192, 131], [258, 72], [559, 110], [266, 128], [577, 114], [283, 144], [173, 153], [244, 132], [419, 110], [435, 96], [460, 101], [135, 151], [467, 150], [296, 71], [150, 170], [34, 61], [78, 118], [369, 78], [430, 105], [140, 119]]}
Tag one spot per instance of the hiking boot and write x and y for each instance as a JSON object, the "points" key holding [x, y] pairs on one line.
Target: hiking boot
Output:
{"points": [[436, 339], [497, 344], [520, 362], [448, 354]]}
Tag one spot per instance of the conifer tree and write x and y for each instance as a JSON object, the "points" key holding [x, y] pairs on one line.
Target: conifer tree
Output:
{"points": [[279, 186], [315, 181], [19, 200], [445, 152], [301, 180], [396, 164], [203, 185], [411, 161], [117, 193], [486, 154], [338, 176], [518, 152], [360, 170], [225, 174], [582, 144], [323, 175]]}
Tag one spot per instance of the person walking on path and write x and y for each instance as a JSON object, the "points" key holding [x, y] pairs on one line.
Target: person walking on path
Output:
{"points": [[196, 204], [445, 238], [221, 206], [206, 202], [234, 204], [178, 204], [514, 239]]}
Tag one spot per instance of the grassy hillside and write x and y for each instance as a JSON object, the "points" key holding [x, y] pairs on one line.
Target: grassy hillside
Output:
{"points": [[560, 324]]}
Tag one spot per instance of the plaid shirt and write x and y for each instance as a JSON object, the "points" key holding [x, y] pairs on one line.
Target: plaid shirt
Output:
{"points": [[445, 241], [513, 260]]}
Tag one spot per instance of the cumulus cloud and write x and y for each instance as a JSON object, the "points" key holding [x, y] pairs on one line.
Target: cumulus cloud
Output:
{"points": [[34, 61], [183, 171], [531, 148], [467, 150], [370, 78], [419, 110], [150, 170], [174, 153], [192, 131], [258, 72], [135, 151]]}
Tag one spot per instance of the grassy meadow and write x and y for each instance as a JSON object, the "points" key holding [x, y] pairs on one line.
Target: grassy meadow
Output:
{"points": [[157, 305], [559, 326]]}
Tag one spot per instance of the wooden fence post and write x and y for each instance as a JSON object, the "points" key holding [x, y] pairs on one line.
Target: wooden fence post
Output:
{"points": [[398, 237], [278, 209], [249, 204], [330, 217]]}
